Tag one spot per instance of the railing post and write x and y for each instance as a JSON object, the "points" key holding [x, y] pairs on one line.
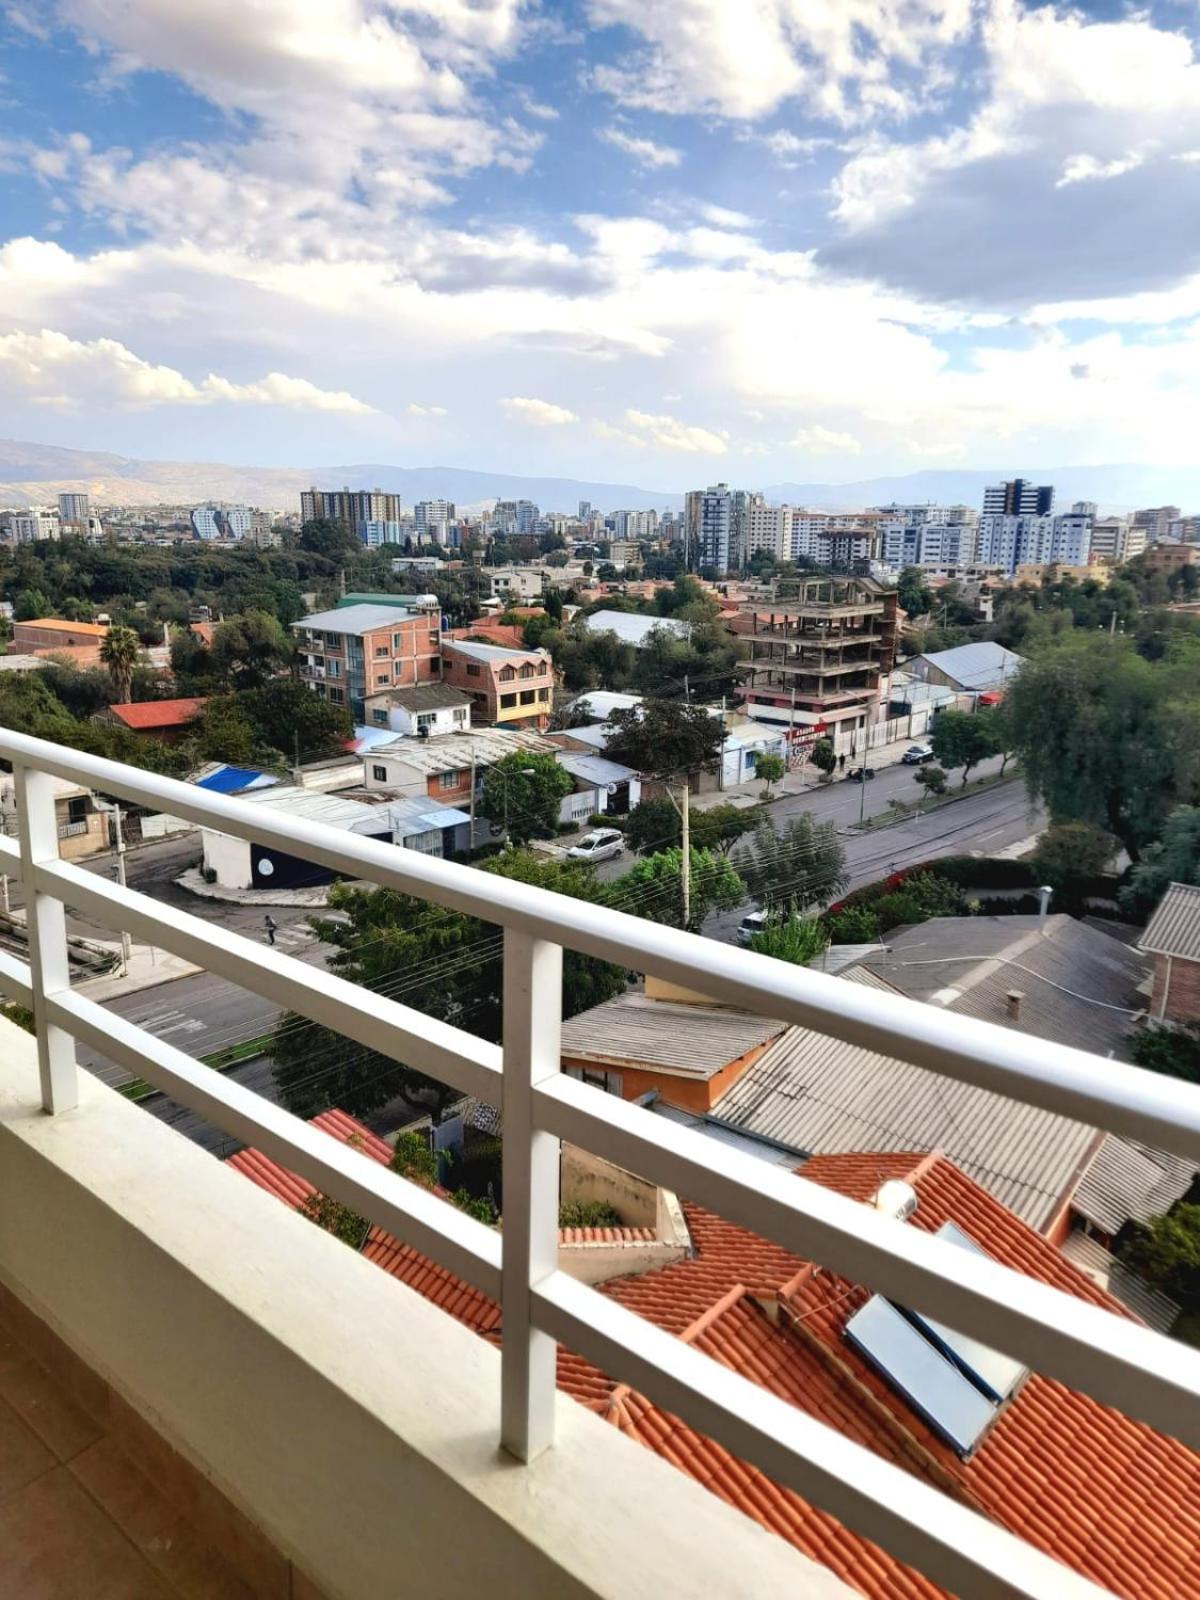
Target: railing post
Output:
{"points": [[532, 1053], [46, 926]]}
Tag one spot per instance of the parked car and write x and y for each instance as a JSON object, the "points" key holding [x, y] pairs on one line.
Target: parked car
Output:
{"points": [[859, 774], [754, 923], [916, 754], [602, 844]]}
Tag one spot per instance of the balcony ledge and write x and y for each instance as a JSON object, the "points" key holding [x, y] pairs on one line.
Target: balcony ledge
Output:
{"points": [[351, 1421]]}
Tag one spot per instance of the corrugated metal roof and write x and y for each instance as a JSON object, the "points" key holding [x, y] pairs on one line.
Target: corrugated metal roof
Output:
{"points": [[984, 665], [692, 1040], [633, 628], [1103, 1268], [488, 652], [1078, 985], [354, 816], [356, 619], [1128, 1180], [450, 751], [828, 1098], [1174, 929], [425, 697], [595, 769]]}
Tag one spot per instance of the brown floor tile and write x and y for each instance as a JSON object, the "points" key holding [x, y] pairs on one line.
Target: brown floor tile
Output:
{"points": [[248, 1551], [36, 1396], [85, 1387], [163, 1535], [56, 1544], [23, 1456]]}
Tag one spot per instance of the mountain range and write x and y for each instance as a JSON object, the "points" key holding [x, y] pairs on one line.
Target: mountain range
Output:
{"points": [[33, 473]]}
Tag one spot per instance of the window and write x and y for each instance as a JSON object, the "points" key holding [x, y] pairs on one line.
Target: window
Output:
{"points": [[435, 638], [507, 700], [333, 641], [77, 808], [507, 674], [527, 697], [397, 644], [529, 670], [382, 650], [333, 667], [543, 694], [381, 678], [338, 696], [454, 779], [472, 670], [379, 774], [597, 1078], [460, 716], [380, 715]]}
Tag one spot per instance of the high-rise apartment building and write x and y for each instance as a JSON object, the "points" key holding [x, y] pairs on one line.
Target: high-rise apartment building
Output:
{"points": [[1156, 520], [722, 528], [1116, 540], [356, 509], [1018, 498], [433, 520], [74, 511], [768, 528], [215, 521], [30, 524]]}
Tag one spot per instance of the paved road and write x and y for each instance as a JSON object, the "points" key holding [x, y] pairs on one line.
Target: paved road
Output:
{"points": [[982, 822]]}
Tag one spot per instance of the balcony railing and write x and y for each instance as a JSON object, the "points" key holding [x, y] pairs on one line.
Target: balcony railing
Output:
{"points": [[1117, 1361]]}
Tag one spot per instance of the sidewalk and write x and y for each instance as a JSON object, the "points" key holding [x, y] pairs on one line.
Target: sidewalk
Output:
{"points": [[148, 967], [799, 780]]}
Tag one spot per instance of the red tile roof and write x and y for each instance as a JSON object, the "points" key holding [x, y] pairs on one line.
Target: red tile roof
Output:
{"points": [[289, 1187], [1110, 1497], [145, 715]]}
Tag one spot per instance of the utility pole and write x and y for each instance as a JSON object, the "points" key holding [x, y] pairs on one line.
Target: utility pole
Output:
{"points": [[297, 775], [125, 941], [686, 864], [472, 794]]}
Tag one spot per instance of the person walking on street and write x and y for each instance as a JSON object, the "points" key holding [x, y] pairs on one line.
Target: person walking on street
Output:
{"points": [[269, 925], [842, 762]]}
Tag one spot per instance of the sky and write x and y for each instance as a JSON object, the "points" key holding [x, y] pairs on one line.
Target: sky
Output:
{"points": [[657, 241]]}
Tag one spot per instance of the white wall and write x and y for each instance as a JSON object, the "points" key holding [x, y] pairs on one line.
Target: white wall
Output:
{"points": [[229, 858], [355, 1423]]}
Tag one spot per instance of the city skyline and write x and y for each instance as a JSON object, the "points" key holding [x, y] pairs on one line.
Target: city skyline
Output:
{"points": [[601, 240]]}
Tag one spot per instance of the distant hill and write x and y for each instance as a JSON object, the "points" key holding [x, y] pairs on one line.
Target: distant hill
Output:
{"points": [[30, 473]]}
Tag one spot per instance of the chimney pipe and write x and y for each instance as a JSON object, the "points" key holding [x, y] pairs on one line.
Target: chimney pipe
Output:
{"points": [[1012, 1004], [1044, 894]]}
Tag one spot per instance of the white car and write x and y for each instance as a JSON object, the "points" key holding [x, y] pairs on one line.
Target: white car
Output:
{"points": [[604, 844], [751, 924]]}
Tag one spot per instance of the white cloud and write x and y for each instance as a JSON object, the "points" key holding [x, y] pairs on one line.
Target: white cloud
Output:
{"points": [[821, 441], [1087, 169], [51, 369], [722, 217], [542, 413], [744, 61], [644, 151], [412, 409], [647, 430]]}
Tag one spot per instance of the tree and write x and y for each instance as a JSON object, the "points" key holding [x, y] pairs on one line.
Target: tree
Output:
{"points": [[120, 651], [663, 737], [248, 651], [30, 604], [771, 770], [998, 728], [191, 664], [931, 778], [799, 865], [1107, 737], [654, 887], [852, 925], [962, 739], [655, 825], [224, 732], [915, 595], [1070, 855], [333, 540], [791, 938], [720, 827], [1166, 1252], [287, 716], [824, 758], [1173, 1051], [442, 963], [1175, 858], [522, 793]]}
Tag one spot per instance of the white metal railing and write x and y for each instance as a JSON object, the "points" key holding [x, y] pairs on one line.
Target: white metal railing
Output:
{"points": [[1119, 1362], [72, 830]]}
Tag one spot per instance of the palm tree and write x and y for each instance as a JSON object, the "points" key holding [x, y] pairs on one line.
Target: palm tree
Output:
{"points": [[120, 653]]}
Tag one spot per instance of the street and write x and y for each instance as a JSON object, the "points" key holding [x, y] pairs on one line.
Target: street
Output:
{"points": [[203, 1013]]}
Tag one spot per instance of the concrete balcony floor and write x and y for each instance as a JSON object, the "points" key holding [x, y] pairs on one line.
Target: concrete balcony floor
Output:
{"points": [[79, 1516]]}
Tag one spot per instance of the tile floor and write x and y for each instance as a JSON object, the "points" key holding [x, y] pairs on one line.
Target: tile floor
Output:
{"points": [[78, 1519]]}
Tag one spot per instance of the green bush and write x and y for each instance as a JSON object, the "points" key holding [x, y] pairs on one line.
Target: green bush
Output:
{"points": [[982, 872], [588, 1214], [854, 925]]}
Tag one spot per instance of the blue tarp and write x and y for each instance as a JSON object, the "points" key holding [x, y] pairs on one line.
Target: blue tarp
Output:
{"points": [[229, 780]]}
